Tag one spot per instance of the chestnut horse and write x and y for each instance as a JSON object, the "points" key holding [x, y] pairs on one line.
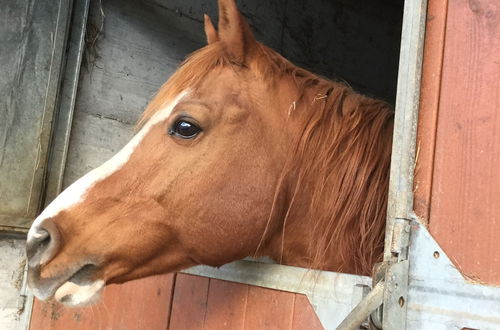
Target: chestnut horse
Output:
{"points": [[239, 154]]}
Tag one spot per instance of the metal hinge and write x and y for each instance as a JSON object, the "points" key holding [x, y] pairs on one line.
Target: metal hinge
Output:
{"points": [[400, 239], [385, 305], [394, 272]]}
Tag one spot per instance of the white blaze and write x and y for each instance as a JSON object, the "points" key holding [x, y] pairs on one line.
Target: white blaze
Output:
{"points": [[74, 194]]}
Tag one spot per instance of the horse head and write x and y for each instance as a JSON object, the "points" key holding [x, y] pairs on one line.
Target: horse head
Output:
{"points": [[230, 160]]}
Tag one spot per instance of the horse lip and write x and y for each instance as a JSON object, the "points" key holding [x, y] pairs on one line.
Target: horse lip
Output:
{"points": [[83, 275], [45, 289]]}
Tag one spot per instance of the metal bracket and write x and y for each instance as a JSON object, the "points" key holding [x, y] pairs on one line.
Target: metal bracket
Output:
{"points": [[390, 286], [396, 277], [439, 297], [400, 239], [395, 296], [428, 292]]}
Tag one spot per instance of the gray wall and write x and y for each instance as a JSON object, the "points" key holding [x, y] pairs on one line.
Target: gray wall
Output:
{"points": [[32, 37], [354, 40]]}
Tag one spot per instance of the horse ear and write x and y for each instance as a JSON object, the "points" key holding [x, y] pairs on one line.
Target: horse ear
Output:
{"points": [[234, 31], [210, 31]]}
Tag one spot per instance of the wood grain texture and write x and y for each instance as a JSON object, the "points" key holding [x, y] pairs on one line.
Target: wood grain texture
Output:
{"points": [[269, 309], [465, 201], [142, 304], [226, 305], [189, 303], [32, 35]]}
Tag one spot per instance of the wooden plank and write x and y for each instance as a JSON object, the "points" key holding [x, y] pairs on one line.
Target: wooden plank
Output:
{"points": [[429, 104], [466, 183], [269, 309], [140, 304], [304, 317], [226, 305], [189, 304]]}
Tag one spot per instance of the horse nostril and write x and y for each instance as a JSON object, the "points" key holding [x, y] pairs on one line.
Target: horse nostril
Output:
{"points": [[42, 244]]}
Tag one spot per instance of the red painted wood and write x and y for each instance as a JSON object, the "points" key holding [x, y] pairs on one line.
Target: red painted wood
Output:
{"points": [[142, 304], [269, 309], [192, 302], [465, 195], [210, 304], [189, 304], [226, 305], [429, 105], [304, 317]]}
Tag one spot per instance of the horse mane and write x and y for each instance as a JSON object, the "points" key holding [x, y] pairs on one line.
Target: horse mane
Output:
{"points": [[341, 158]]}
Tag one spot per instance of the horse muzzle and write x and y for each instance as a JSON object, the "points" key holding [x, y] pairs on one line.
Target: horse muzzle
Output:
{"points": [[76, 287]]}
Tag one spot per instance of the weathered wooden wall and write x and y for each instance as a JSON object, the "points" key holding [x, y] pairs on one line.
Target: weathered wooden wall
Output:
{"points": [[458, 172], [32, 39]]}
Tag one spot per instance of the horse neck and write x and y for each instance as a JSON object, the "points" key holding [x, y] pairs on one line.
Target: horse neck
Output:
{"points": [[336, 183]]}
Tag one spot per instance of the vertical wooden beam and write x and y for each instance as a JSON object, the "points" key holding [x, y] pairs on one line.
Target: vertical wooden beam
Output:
{"points": [[189, 304], [429, 104]]}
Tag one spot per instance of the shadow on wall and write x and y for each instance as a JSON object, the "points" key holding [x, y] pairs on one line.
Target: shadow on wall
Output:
{"points": [[354, 41]]}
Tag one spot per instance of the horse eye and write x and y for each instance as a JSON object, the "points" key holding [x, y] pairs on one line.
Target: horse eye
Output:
{"points": [[184, 129]]}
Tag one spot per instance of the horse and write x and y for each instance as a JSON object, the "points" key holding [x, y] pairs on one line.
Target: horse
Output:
{"points": [[240, 153]]}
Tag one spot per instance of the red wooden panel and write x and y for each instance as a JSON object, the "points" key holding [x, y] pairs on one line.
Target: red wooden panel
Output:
{"points": [[209, 304], [189, 304], [465, 195], [226, 305], [429, 104], [304, 316], [269, 309], [193, 302], [142, 304]]}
